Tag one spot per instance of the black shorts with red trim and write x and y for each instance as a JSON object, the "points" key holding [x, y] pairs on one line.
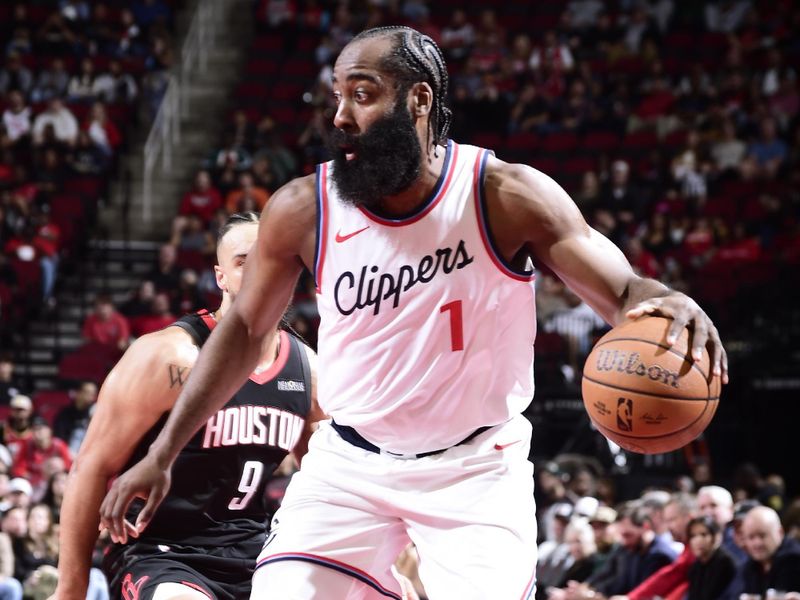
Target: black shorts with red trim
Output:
{"points": [[222, 573]]}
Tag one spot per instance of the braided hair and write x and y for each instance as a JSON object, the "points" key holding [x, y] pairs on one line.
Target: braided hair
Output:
{"points": [[234, 220], [413, 58]]}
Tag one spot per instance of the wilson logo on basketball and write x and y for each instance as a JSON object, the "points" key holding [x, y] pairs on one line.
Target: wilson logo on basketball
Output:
{"points": [[631, 363]]}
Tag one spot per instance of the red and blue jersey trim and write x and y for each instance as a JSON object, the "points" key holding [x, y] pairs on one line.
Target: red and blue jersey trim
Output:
{"points": [[527, 594], [439, 192], [483, 222], [330, 563], [322, 222]]}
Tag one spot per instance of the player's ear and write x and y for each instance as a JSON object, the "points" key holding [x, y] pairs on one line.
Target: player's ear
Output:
{"points": [[220, 277], [421, 99]]}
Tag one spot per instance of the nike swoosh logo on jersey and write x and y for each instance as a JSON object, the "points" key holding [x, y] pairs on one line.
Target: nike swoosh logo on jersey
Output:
{"points": [[504, 446], [343, 238]]}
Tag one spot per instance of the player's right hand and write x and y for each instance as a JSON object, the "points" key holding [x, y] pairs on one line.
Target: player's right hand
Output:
{"points": [[148, 480]]}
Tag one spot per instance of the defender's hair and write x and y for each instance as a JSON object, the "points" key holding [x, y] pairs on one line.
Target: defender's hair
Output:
{"points": [[414, 58], [237, 219]]}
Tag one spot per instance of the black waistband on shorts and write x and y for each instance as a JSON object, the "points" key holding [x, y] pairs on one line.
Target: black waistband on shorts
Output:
{"points": [[350, 435]]}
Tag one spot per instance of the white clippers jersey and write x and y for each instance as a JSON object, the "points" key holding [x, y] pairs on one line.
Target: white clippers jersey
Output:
{"points": [[425, 334]]}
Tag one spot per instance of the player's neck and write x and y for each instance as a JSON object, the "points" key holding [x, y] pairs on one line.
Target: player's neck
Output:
{"points": [[269, 349], [269, 352], [420, 190]]}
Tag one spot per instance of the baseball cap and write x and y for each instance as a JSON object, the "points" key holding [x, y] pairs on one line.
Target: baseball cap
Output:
{"points": [[20, 485], [586, 506], [38, 421], [562, 510], [21, 401], [604, 514]]}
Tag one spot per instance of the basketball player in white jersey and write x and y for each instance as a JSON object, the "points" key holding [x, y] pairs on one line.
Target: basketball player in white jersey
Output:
{"points": [[421, 249]]}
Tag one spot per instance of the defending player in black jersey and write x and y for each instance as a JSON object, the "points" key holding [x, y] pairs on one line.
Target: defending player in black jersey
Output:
{"points": [[204, 538]]}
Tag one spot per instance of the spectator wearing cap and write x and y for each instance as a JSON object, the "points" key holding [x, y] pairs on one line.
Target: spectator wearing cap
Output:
{"points": [[773, 559], [72, 421], [554, 553], [605, 535], [31, 460], [18, 494], [17, 426]]}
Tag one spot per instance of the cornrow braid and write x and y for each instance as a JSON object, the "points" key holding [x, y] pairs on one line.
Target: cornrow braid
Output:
{"points": [[416, 57], [236, 219]]}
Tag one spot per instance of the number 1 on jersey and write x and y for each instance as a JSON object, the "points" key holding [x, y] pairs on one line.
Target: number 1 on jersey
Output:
{"points": [[456, 325], [251, 477]]}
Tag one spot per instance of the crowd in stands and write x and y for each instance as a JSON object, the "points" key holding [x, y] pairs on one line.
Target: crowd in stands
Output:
{"points": [[673, 124], [72, 74]]}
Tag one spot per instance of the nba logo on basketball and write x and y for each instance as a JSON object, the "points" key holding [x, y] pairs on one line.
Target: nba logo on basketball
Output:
{"points": [[625, 414]]}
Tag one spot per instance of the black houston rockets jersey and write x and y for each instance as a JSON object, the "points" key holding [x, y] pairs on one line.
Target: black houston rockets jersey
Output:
{"points": [[217, 495]]}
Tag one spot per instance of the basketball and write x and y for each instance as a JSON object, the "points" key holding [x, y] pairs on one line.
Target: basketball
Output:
{"points": [[644, 395]]}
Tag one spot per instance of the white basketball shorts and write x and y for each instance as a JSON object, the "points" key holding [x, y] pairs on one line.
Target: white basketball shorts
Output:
{"points": [[348, 513]]}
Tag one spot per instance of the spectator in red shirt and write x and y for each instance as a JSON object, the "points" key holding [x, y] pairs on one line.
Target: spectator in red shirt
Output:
{"points": [[106, 326], [158, 318], [47, 241], [202, 200], [31, 462]]}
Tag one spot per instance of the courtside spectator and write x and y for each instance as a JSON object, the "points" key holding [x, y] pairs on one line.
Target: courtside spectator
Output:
{"points": [[774, 560], [712, 572]]}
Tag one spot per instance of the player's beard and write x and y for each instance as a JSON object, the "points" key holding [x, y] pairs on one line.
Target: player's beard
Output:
{"points": [[388, 159]]}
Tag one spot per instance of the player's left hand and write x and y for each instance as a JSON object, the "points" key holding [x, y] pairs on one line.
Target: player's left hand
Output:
{"points": [[685, 312]]}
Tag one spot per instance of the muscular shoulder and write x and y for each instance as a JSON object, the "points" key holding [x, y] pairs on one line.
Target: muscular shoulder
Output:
{"points": [[519, 194], [290, 218], [169, 344], [156, 366]]}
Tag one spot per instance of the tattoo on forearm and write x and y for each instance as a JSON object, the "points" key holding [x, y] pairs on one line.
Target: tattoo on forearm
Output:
{"points": [[177, 375]]}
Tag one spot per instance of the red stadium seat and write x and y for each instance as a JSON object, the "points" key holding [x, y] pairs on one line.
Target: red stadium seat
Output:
{"points": [[88, 186], [268, 43], [640, 140], [526, 141], [47, 404], [600, 141], [78, 367], [29, 276], [193, 259], [578, 166], [560, 142], [261, 67]]}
